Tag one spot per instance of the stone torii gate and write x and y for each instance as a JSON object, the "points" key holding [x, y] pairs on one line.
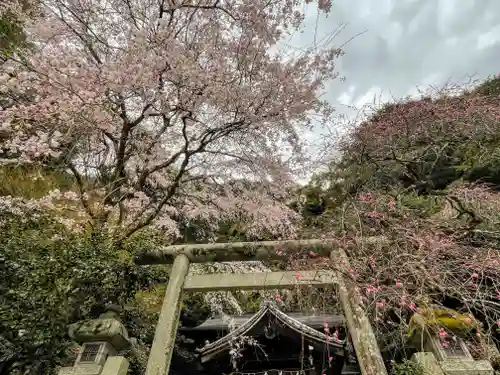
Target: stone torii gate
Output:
{"points": [[365, 345]]}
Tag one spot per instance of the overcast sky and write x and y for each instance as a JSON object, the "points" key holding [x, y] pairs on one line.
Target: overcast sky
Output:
{"points": [[408, 43]]}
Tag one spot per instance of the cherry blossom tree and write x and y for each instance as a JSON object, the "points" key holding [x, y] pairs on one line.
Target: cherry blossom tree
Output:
{"points": [[159, 109]]}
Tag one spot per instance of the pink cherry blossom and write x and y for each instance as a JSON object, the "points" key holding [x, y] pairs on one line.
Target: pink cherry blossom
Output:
{"points": [[336, 336], [366, 197], [168, 114], [391, 205], [374, 214], [372, 260], [371, 289]]}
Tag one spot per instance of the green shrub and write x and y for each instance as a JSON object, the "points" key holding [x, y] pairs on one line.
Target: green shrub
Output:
{"points": [[50, 278], [406, 368]]}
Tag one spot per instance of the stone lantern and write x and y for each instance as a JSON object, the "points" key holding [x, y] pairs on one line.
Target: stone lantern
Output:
{"points": [[447, 355], [101, 340]]}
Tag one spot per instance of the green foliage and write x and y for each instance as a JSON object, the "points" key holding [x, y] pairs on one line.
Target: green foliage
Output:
{"points": [[11, 36], [490, 87], [32, 182], [52, 278], [423, 206], [315, 203], [406, 368]]}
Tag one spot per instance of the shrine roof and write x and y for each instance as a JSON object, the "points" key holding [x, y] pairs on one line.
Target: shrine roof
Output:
{"points": [[217, 323], [288, 320]]}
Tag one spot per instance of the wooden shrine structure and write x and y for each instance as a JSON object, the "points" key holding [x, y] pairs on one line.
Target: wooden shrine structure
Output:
{"points": [[359, 328], [273, 342]]}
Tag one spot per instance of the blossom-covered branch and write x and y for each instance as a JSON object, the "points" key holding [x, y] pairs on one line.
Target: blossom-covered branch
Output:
{"points": [[137, 98]]}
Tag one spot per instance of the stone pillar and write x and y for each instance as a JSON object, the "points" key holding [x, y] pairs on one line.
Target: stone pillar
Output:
{"points": [[458, 366], [116, 365], [166, 329], [428, 362], [449, 353], [365, 343], [451, 366], [101, 339]]}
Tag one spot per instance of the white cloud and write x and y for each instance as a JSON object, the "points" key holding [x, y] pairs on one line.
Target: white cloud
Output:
{"points": [[399, 47], [446, 12], [488, 39], [374, 96], [393, 33], [347, 96], [407, 43]]}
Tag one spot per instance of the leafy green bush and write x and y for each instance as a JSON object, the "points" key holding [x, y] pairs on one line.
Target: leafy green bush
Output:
{"points": [[51, 278], [406, 368]]}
